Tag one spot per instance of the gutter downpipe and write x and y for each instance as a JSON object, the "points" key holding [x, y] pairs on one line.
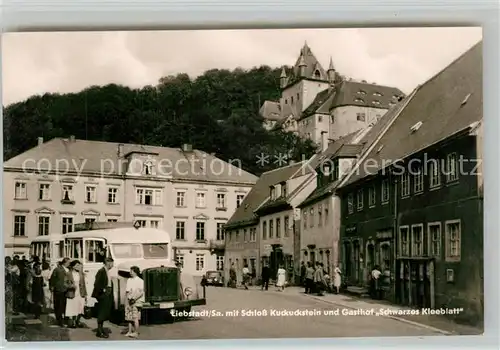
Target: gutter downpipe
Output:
{"points": [[396, 237]]}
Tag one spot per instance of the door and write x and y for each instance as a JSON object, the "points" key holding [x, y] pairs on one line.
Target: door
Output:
{"points": [[346, 258], [356, 262], [370, 258], [94, 254], [312, 257]]}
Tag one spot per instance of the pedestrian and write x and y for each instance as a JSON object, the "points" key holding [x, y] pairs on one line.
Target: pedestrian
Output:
{"points": [[266, 274], [318, 279], [47, 304], [24, 271], [58, 285], [303, 274], [103, 292], [309, 278], [15, 274], [245, 276], [76, 294], [35, 290], [374, 282], [232, 277], [8, 290], [337, 279], [135, 296], [281, 278]]}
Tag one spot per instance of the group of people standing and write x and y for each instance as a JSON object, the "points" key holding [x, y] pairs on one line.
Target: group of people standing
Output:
{"points": [[31, 287], [316, 280]]}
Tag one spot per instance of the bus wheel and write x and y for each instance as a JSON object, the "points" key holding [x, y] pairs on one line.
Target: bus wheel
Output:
{"points": [[181, 311]]}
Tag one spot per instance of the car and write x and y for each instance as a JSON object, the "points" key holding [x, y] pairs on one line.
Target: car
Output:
{"points": [[214, 278]]}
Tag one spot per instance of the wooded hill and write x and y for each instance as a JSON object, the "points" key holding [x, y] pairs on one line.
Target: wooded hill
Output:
{"points": [[217, 112]]}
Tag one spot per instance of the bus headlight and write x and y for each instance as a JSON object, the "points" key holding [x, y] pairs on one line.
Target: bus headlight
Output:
{"points": [[188, 291]]}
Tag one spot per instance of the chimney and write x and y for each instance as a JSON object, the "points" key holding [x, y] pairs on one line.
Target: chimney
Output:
{"points": [[120, 150], [324, 141], [187, 147], [40, 141], [72, 138]]}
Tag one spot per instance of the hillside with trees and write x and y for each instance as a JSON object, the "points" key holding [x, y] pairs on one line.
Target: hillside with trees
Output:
{"points": [[217, 112]]}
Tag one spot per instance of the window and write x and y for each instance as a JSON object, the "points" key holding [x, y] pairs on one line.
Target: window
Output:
{"points": [[360, 200], [417, 235], [434, 174], [405, 184], [385, 191], [200, 231], [361, 117], [272, 193], [90, 194], [326, 216], [221, 201], [253, 234], [320, 118], [95, 251], [350, 203], [239, 200], [377, 116], [278, 227], [371, 196], [146, 196], [112, 195], [377, 94], [451, 166], [67, 224], [435, 237], [245, 237], [264, 230], [147, 168], [404, 241], [200, 200], [385, 257], [180, 260], [19, 225], [180, 230], [154, 223], [200, 262], [320, 216], [112, 220], [74, 249], [283, 189], [419, 181], [271, 228], [43, 225], [220, 262], [453, 236], [220, 231], [291, 100], [20, 191], [181, 199], [44, 192], [67, 195], [311, 221]]}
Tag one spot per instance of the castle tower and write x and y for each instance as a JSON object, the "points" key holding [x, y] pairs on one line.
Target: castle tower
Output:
{"points": [[302, 66], [283, 78], [331, 71]]}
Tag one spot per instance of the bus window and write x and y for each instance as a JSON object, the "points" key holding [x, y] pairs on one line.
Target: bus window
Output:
{"points": [[126, 251], [60, 250], [155, 250], [74, 249], [95, 250]]}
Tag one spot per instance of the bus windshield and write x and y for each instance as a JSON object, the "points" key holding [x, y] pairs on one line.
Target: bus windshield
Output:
{"points": [[126, 251], [41, 249], [155, 250]]}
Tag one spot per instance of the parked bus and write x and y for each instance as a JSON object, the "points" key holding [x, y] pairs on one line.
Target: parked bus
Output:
{"points": [[165, 286], [50, 248]]}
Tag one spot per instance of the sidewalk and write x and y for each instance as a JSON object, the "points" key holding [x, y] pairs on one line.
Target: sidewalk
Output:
{"points": [[436, 323], [25, 328]]}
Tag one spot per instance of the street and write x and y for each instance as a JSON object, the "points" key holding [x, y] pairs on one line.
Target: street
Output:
{"points": [[226, 327]]}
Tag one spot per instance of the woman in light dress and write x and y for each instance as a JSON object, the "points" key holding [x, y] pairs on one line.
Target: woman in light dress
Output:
{"points": [[76, 295], [281, 278], [46, 288], [337, 279], [135, 297]]}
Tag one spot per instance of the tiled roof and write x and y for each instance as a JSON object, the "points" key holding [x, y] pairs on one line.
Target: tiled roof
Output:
{"points": [[312, 64], [270, 110], [439, 106], [321, 99], [349, 151], [259, 193], [97, 157]]}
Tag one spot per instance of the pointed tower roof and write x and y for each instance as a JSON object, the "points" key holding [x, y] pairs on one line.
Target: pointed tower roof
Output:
{"points": [[283, 73], [308, 61], [331, 67]]}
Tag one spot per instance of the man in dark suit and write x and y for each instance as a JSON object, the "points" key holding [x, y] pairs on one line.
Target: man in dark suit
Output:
{"points": [[266, 274], [58, 284], [103, 292]]}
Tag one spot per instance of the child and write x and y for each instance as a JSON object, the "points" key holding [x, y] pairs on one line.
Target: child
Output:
{"points": [[135, 297]]}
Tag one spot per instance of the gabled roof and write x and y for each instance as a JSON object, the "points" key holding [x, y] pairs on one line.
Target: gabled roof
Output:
{"points": [[270, 110], [244, 215], [311, 65], [99, 157], [446, 104], [321, 99]]}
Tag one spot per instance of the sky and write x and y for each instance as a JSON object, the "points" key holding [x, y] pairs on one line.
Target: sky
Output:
{"points": [[37, 63]]}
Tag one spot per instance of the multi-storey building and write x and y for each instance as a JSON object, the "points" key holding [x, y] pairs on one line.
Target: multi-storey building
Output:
{"points": [[187, 192], [413, 204], [314, 100]]}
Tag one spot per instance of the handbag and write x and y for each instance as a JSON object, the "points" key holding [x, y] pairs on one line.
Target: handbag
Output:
{"points": [[70, 293], [87, 312]]}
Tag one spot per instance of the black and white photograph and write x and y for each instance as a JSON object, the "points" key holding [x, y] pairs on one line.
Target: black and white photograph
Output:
{"points": [[243, 184]]}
